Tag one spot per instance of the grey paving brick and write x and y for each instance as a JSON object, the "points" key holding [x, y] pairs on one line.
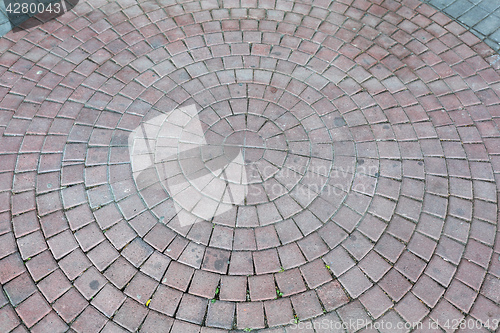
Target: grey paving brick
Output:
{"points": [[458, 8], [440, 4], [489, 5], [491, 43], [3, 17], [473, 16], [5, 28], [3, 14], [496, 36], [489, 25]]}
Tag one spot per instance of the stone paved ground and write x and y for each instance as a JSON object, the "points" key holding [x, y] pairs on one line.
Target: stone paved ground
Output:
{"points": [[481, 16], [367, 145]]}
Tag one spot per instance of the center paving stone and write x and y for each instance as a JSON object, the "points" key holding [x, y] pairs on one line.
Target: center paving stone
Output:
{"points": [[214, 166]]}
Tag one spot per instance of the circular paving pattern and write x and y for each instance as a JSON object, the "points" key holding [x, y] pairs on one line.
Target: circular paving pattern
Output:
{"points": [[242, 165]]}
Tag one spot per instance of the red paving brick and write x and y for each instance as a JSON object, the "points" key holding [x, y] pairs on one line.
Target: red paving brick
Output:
{"points": [[369, 144]]}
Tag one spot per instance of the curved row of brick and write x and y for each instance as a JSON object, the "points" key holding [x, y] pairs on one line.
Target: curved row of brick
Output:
{"points": [[404, 228]]}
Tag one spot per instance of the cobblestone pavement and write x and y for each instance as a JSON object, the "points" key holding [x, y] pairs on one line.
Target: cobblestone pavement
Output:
{"points": [[481, 16], [364, 133]]}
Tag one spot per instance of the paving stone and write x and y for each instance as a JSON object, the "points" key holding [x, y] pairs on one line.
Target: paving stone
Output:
{"points": [[165, 300], [130, 315], [120, 272], [183, 326], [410, 266], [10, 319], [482, 306], [290, 256], [375, 301], [90, 282], [460, 295], [178, 276], [137, 252], [470, 274], [261, 287], [411, 309], [89, 320], [108, 300], [490, 287], [156, 322], [62, 244], [395, 285], [233, 288], [54, 285], [315, 274], [220, 314], [20, 288], [31, 245], [250, 315], [374, 266], [278, 312], [12, 266], [141, 287], [70, 305], [428, 290], [440, 270], [338, 261], [445, 310], [332, 295], [266, 261], [351, 311], [33, 309], [103, 255], [50, 322], [204, 284], [290, 282], [306, 305], [192, 309]]}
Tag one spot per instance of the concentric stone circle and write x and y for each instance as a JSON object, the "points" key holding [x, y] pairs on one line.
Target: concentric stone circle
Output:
{"points": [[394, 115]]}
